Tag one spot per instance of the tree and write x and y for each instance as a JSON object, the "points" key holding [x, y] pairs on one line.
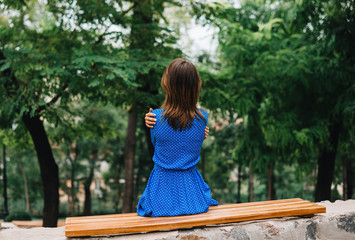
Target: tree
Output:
{"points": [[22, 173], [43, 68], [290, 78], [149, 41]]}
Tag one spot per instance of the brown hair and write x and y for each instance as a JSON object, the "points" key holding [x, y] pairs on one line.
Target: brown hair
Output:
{"points": [[181, 84]]}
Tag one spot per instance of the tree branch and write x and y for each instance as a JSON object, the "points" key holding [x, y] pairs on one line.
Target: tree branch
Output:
{"points": [[54, 99], [115, 22]]}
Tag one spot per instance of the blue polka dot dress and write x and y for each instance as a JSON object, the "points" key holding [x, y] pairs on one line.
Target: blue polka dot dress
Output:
{"points": [[175, 187]]}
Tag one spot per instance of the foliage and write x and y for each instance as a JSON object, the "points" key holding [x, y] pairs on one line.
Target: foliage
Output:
{"points": [[288, 79], [58, 53], [18, 216]]}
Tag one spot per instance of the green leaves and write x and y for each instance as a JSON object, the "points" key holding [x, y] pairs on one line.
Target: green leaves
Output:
{"points": [[16, 4], [5, 66], [284, 77], [95, 83]]}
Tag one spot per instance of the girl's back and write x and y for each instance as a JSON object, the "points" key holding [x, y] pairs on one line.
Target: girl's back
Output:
{"points": [[176, 149]]}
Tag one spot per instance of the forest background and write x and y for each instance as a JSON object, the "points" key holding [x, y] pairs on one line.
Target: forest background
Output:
{"points": [[77, 77]]}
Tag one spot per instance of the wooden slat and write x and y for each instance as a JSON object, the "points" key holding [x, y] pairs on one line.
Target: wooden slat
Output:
{"points": [[130, 223], [198, 217], [71, 220], [117, 229], [215, 211]]}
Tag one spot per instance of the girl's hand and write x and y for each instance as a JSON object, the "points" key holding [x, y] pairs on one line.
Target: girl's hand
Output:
{"points": [[150, 120], [207, 131]]}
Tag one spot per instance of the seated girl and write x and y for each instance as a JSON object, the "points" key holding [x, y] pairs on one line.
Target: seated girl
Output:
{"points": [[175, 187]]}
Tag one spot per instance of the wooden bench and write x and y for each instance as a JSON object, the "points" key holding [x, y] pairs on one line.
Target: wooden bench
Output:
{"points": [[228, 213]]}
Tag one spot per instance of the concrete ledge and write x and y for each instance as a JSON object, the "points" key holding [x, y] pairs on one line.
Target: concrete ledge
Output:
{"points": [[337, 223]]}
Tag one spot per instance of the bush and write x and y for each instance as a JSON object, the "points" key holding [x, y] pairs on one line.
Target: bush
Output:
{"points": [[18, 216]]}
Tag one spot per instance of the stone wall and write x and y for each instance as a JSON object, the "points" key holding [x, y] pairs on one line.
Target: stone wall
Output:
{"points": [[337, 223]]}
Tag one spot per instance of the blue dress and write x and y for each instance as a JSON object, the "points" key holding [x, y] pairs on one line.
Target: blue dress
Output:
{"points": [[175, 187]]}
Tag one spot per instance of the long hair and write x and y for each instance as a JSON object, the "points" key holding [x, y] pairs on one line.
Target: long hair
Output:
{"points": [[181, 84]]}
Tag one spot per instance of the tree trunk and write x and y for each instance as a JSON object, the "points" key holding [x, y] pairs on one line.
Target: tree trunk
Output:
{"points": [[87, 203], [136, 189], [72, 179], [239, 199], [251, 185], [345, 178], [326, 162], [129, 162], [138, 178], [6, 211], [72, 191], [67, 191], [25, 183], [87, 184], [140, 26], [118, 187], [271, 193], [349, 179], [48, 167]]}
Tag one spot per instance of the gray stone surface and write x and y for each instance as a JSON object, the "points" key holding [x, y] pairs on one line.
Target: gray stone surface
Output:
{"points": [[337, 223]]}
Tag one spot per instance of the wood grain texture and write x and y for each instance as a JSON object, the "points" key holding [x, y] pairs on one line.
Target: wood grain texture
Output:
{"points": [[132, 222], [71, 220], [214, 212]]}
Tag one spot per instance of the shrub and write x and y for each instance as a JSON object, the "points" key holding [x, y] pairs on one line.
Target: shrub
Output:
{"points": [[19, 215]]}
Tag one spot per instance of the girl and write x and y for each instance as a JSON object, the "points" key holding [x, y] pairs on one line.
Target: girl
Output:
{"points": [[175, 187]]}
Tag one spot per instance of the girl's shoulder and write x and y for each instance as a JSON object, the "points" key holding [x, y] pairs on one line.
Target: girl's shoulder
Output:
{"points": [[158, 114], [157, 111], [204, 112]]}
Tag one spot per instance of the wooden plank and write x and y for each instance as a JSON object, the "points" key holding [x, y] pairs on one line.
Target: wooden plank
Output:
{"points": [[238, 207], [131, 223], [210, 218], [261, 203], [198, 217], [71, 220], [114, 228]]}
